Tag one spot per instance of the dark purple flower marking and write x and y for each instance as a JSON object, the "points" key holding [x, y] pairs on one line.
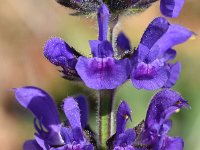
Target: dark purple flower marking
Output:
{"points": [[151, 67], [102, 71], [51, 135]]}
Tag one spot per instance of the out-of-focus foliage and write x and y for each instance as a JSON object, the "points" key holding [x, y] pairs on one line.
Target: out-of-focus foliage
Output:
{"points": [[26, 25]]}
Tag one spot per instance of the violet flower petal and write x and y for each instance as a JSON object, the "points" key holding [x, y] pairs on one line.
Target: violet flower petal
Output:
{"points": [[174, 73], [40, 104], [156, 29], [175, 34], [173, 143], [72, 112], [103, 20], [163, 104], [42, 143], [161, 33], [129, 147], [58, 52], [125, 140], [77, 134], [103, 73], [101, 49], [123, 114], [123, 42], [153, 54], [128, 137], [67, 135], [148, 76], [170, 54], [142, 52], [74, 140], [165, 127], [43, 107], [171, 8], [31, 145], [83, 106], [82, 146], [147, 55]]}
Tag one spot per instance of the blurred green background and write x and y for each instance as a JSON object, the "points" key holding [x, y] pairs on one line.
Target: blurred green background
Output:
{"points": [[26, 25]]}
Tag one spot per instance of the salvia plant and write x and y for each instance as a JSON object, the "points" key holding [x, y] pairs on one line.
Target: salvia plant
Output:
{"points": [[147, 65]]}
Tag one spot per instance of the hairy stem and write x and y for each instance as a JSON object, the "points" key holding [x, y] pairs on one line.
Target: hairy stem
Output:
{"points": [[104, 117], [113, 24]]}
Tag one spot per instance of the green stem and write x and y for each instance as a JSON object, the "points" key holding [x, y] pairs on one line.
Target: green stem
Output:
{"points": [[104, 117]]}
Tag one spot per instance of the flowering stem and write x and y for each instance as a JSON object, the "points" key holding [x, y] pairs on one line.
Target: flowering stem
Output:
{"points": [[104, 117]]}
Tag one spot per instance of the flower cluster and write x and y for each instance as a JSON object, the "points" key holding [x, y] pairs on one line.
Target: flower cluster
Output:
{"points": [[148, 66], [52, 135]]}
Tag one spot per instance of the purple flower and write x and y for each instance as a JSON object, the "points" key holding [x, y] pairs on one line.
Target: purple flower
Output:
{"points": [[100, 72], [151, 67], [157, 123], [124, 138], [152, 133], [103, 71], [59, 53], [51, 134]]}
